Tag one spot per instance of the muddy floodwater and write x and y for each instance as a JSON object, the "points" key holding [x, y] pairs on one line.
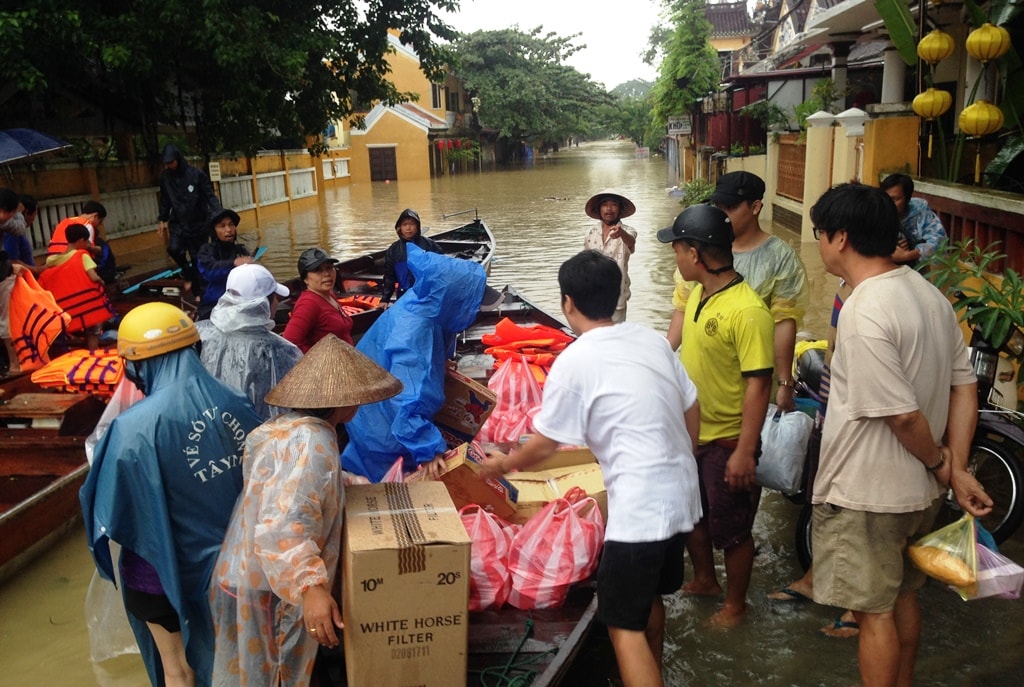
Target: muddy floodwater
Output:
{"points": [[536, 214]]}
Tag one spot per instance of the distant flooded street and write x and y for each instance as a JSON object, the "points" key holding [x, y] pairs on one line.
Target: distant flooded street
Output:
{"points": [[536, 214]]}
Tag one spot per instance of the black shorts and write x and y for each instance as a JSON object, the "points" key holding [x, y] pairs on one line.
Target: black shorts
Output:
{"points": [[630, 575], [152, 608]]}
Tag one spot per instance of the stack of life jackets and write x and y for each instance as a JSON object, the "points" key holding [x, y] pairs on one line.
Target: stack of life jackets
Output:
{"points": [[539, 345], [35, 321], [98, 372]]}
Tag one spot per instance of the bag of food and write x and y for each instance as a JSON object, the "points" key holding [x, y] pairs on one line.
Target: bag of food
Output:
{"points": [[556, 548], [518, 400], [489, 579], [997, 575], [950, 555], [783, 450]]}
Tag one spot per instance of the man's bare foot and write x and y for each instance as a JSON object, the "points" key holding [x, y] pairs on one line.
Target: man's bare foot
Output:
{"points": [[727, 618], [702, 588], [843, 627]]}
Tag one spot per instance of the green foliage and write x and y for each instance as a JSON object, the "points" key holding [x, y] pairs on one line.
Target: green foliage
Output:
{"points": [[689, 69], [900, 26], [526, 90], [768, 114], [634, 88], [963, 271], [631, 117], [696, 191], [243, 70]]}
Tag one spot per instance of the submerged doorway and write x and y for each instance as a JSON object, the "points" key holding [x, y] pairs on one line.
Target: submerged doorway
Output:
{"points": [[383, 164]]}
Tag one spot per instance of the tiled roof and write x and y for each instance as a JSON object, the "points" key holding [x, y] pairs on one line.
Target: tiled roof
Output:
{"points": [[728, 19]]}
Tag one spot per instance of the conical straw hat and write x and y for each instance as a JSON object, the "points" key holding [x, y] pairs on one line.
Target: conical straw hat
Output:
{"points": [[333, 375]]}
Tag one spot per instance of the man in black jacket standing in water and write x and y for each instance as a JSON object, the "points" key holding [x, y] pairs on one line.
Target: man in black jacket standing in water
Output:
{"points": [[187, 201]]}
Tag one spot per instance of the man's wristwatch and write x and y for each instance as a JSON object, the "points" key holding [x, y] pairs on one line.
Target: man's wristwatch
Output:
{"points": [[788, 382], [938, 464]]}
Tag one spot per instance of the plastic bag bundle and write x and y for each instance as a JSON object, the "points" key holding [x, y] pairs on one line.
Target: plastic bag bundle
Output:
{"points": [[950, 555], [556, 548], [998, 576], [519, 397], [489, 579], [783, 450]]}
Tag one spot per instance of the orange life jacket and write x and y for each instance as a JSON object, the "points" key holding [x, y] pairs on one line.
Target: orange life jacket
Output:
{"points": [[97, 372], [81, 297], [59, 239], [36, 320]]}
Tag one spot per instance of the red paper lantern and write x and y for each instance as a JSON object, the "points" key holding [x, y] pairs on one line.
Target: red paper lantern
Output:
{"points": [[451, 144], [458, 144], [440, 144]]}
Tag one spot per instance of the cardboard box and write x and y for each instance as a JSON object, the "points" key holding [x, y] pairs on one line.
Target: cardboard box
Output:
{"points": [[467, 404], [564, 456], [465, 486], [405, 586], [537, 489]]}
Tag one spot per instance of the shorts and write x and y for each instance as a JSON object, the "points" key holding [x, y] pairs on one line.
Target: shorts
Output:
{"points": [[631, 574], [860, 558], [152, 608], [729, 514]]}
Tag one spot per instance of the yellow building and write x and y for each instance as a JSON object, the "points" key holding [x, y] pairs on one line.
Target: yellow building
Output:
{"points": [[410, 140]]}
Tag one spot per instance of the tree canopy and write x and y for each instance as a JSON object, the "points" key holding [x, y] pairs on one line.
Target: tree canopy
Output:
{"points": [[242, 70], [526, 90], [689, 68]]}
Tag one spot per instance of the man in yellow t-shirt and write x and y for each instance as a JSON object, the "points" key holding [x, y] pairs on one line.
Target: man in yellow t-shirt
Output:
{"points": [[727, 349]]}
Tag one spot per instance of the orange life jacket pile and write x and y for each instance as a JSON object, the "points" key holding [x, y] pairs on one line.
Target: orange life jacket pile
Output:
{"points": [[96, 373], [538, 344], [353, 305], [36, 320]]}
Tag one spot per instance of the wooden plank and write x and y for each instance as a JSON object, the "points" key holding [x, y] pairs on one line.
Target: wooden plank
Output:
{"points": [[40, 405]]}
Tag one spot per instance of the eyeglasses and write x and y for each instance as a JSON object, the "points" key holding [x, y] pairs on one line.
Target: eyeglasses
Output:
{"points": [[818, 231]]}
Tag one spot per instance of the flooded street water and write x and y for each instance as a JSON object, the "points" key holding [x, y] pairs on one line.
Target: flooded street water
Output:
{"points": [[536, 214]]}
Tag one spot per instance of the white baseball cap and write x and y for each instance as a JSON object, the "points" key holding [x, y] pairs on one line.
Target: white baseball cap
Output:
{"points": [[254, 281]]}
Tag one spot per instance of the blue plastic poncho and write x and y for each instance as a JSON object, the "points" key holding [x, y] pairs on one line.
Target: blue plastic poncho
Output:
{"points": [[163, 483], [411, 340]]}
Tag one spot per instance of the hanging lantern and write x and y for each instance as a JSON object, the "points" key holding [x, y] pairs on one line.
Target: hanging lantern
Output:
{"points": [[440, 144], [451, 144], [979, 119], [988, 42], [935, 47], [930, 105]]}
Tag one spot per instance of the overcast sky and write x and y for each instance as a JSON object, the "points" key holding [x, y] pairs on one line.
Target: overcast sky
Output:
{"points": [[615, 33]]}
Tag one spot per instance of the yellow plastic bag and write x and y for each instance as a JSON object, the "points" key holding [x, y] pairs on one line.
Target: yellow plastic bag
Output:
{"points": [[950, 555]]}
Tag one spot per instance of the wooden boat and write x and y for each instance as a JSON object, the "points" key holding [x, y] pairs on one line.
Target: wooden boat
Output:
{"points": [[359, 285], [361, 279], [510, 643], [42, 467]]}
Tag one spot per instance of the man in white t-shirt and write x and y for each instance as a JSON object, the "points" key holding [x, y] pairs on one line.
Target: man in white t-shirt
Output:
{"points": [[901, 415], [637, 416]]}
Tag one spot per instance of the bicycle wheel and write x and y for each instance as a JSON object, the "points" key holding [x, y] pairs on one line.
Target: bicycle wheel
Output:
{"points": [[993, 464], [803, 536]]}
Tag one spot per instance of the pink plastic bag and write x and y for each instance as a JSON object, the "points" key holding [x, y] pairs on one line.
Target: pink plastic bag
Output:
{"points": [[394, 473], [519, 397], [556, 548], [489, 580], [998, 576]]}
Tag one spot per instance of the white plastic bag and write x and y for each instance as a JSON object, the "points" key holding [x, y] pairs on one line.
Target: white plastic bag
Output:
{"points": [[783, 450]]}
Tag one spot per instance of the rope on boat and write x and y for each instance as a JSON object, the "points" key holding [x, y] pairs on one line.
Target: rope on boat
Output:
{"points": [[524, 675]]}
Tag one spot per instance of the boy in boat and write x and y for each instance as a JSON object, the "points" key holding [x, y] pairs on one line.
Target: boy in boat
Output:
{"points": [[727, 348], [638, 417], [76, 286], [398, 278]]}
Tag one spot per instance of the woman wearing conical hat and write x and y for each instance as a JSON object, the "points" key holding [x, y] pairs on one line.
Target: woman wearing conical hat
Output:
{"points": [[271, 590]]}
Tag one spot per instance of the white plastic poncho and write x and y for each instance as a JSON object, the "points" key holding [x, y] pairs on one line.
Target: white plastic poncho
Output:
{"points": [[240, 349], [284, 537]]}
